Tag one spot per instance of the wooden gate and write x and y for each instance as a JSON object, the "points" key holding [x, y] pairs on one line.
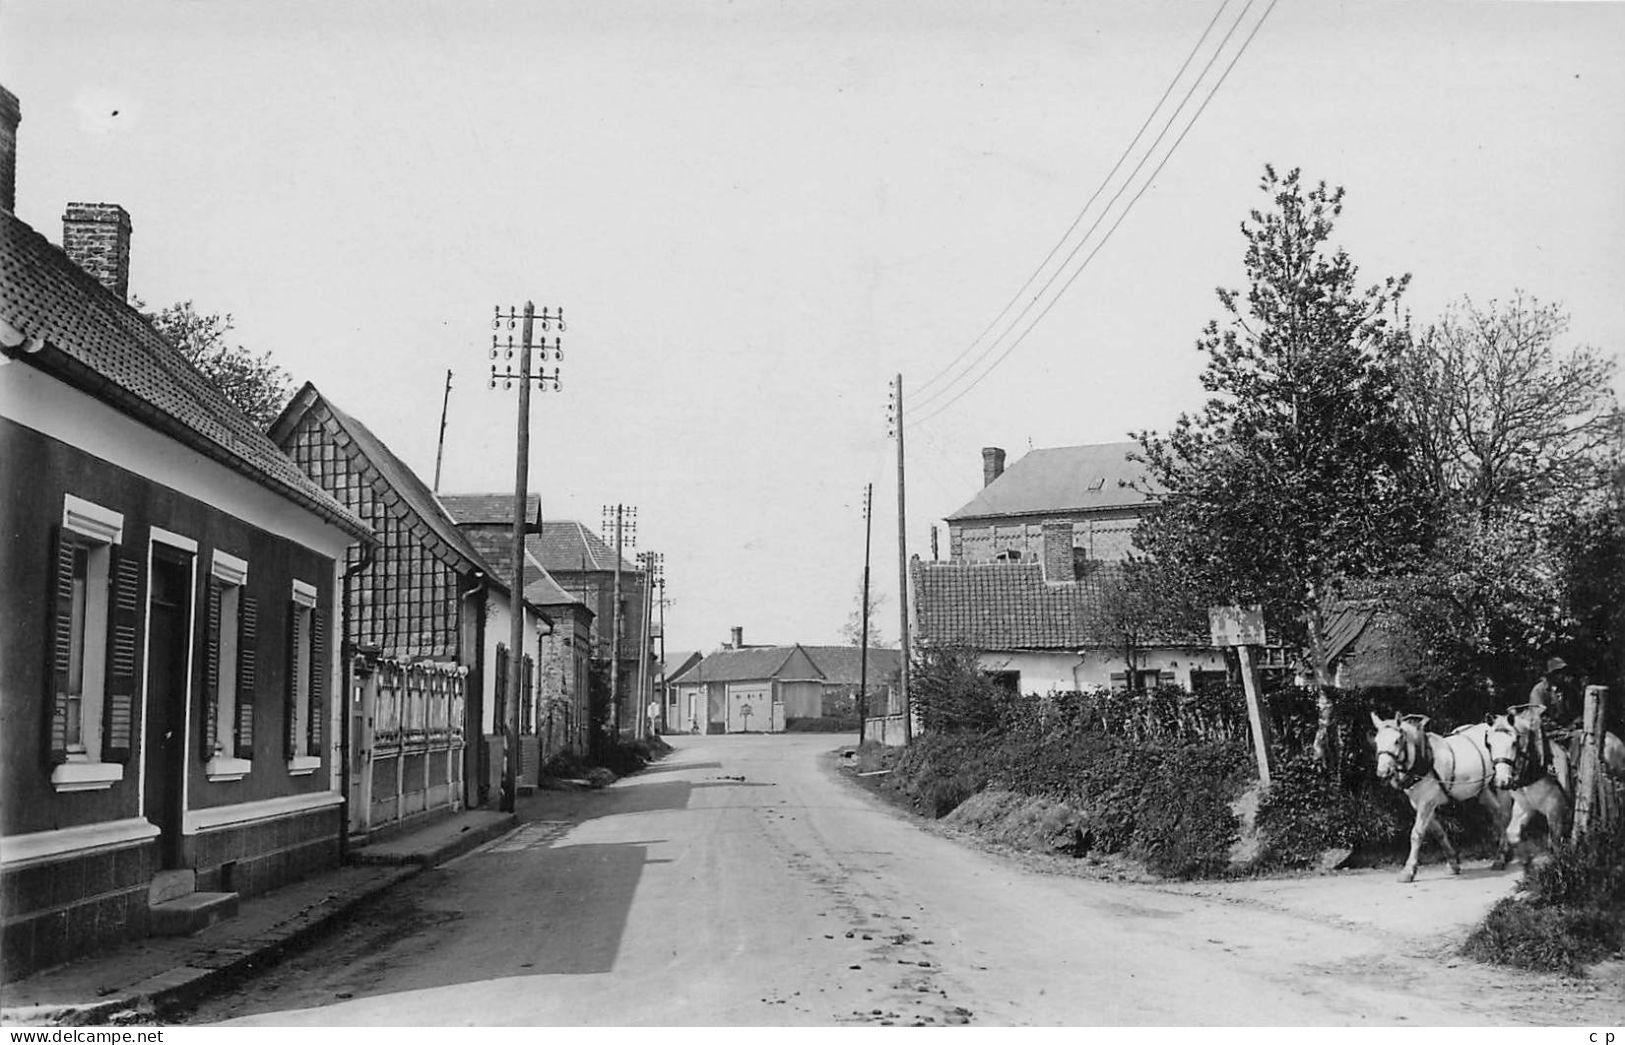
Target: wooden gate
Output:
{"points": [[411, 745]]}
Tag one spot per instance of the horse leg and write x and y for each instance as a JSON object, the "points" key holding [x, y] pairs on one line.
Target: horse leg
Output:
{"points": [[1555, 808], [1514, 828], [1450, 853], [1424, 805], [1500, 807]]}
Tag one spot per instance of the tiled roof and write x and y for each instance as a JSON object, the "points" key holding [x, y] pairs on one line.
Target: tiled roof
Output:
{"points": [[1344, 624], [1010, 606], [496, 548], [737, 665], [417, 497], [840, 664], [1063, 479], [836, 665], [487, 509], [677, 660], [564, 545], [101, 345]]}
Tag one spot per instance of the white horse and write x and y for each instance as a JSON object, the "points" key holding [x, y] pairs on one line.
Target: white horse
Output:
{"points": [[1533, 768], [1432, 770]]}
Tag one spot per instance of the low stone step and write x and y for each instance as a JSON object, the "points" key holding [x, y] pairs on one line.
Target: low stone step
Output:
{"points": [[188, 914], [171, 885]]}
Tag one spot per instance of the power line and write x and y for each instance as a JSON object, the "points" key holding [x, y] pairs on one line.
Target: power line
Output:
{"points": [[1127, 151], [1127, 182], [1107, 238]]}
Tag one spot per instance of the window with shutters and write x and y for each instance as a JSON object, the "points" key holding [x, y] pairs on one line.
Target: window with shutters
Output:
{"points": [[230, 623], [90, 697], [307, 680]]}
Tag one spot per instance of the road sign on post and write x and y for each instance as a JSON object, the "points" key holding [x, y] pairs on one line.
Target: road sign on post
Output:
{"points": [[1243, 628]]}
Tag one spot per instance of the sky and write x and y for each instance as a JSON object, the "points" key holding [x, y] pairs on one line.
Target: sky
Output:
{"points": [[755, 215]]}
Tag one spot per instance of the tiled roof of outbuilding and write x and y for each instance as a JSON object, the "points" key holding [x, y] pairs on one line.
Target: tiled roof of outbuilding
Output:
{"points": [[834, 665], [104, 347], [1010, 606]]}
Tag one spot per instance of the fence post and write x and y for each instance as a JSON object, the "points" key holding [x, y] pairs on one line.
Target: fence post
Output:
{"points": [[1588, 773]]}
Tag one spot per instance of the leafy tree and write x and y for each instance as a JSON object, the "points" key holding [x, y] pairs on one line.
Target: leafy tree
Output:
{"points": [[1296, 476], [852, 630], [1504, 422], [255, 384], [1142, 606], [1520, 439]]}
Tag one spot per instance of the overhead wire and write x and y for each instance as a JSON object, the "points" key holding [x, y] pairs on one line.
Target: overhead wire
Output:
{"points": [[940, 409], [1078, 220]]}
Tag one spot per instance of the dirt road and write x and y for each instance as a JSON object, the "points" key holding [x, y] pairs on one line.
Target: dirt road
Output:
{"points": [[740, 883]]}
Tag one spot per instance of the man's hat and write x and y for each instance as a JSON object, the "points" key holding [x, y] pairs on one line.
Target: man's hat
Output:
{"points": [[1556, 664]]}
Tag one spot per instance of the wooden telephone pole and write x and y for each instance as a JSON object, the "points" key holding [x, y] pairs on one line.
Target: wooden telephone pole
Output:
{"points": [[863, 643], [625, 517], [516, 600], [902, 561]]}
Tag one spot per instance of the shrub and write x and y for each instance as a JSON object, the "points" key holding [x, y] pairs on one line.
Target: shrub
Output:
{"points": [[1556, 939], [939, 771], [1184, 826], [954, 695], [1574, 913], [1307, 810]]}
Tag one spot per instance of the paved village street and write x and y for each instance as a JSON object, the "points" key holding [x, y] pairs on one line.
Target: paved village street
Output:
{"points": [[740, 882]]}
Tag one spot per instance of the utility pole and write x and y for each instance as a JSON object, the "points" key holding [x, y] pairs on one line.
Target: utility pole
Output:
{"points": [[652, 563], [440, 451], [661, 584], [626, 521], [902, 560], [863, 651], [516, 600]]}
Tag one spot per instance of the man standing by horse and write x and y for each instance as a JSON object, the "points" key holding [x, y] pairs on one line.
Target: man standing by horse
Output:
{"points": [[1554, 693]]}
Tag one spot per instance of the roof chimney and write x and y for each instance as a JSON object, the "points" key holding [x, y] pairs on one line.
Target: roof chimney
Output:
{"points": [[11, 114], [738, 640], [1059, 563], [992, 464], [97, 237]]}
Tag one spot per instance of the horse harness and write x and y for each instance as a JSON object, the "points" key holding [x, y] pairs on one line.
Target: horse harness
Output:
{"points": [[1528, 762], [1420, 767]]}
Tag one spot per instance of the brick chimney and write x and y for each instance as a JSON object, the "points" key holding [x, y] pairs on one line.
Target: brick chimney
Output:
{"points": [[736, 638], [11, 114], [992, 464], [97, 237], [1059, 563]]}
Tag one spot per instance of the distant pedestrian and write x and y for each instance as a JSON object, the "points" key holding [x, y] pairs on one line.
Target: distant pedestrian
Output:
{"points": [[654, 718]]}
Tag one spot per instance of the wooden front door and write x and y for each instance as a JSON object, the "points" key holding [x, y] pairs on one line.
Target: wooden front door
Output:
{"points": [[169, 615]]}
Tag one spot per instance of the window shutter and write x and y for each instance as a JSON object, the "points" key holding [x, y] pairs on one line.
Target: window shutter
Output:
{"points": [[318, 679], [501, 689], [290, 704], [124, 623], [60, 624], [528, 687], [248, 613], [211, 668]]}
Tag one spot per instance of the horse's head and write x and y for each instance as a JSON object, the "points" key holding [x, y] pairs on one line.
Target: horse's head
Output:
{"points": [[1397, 739], [1507, 747], [1512, 739]]}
